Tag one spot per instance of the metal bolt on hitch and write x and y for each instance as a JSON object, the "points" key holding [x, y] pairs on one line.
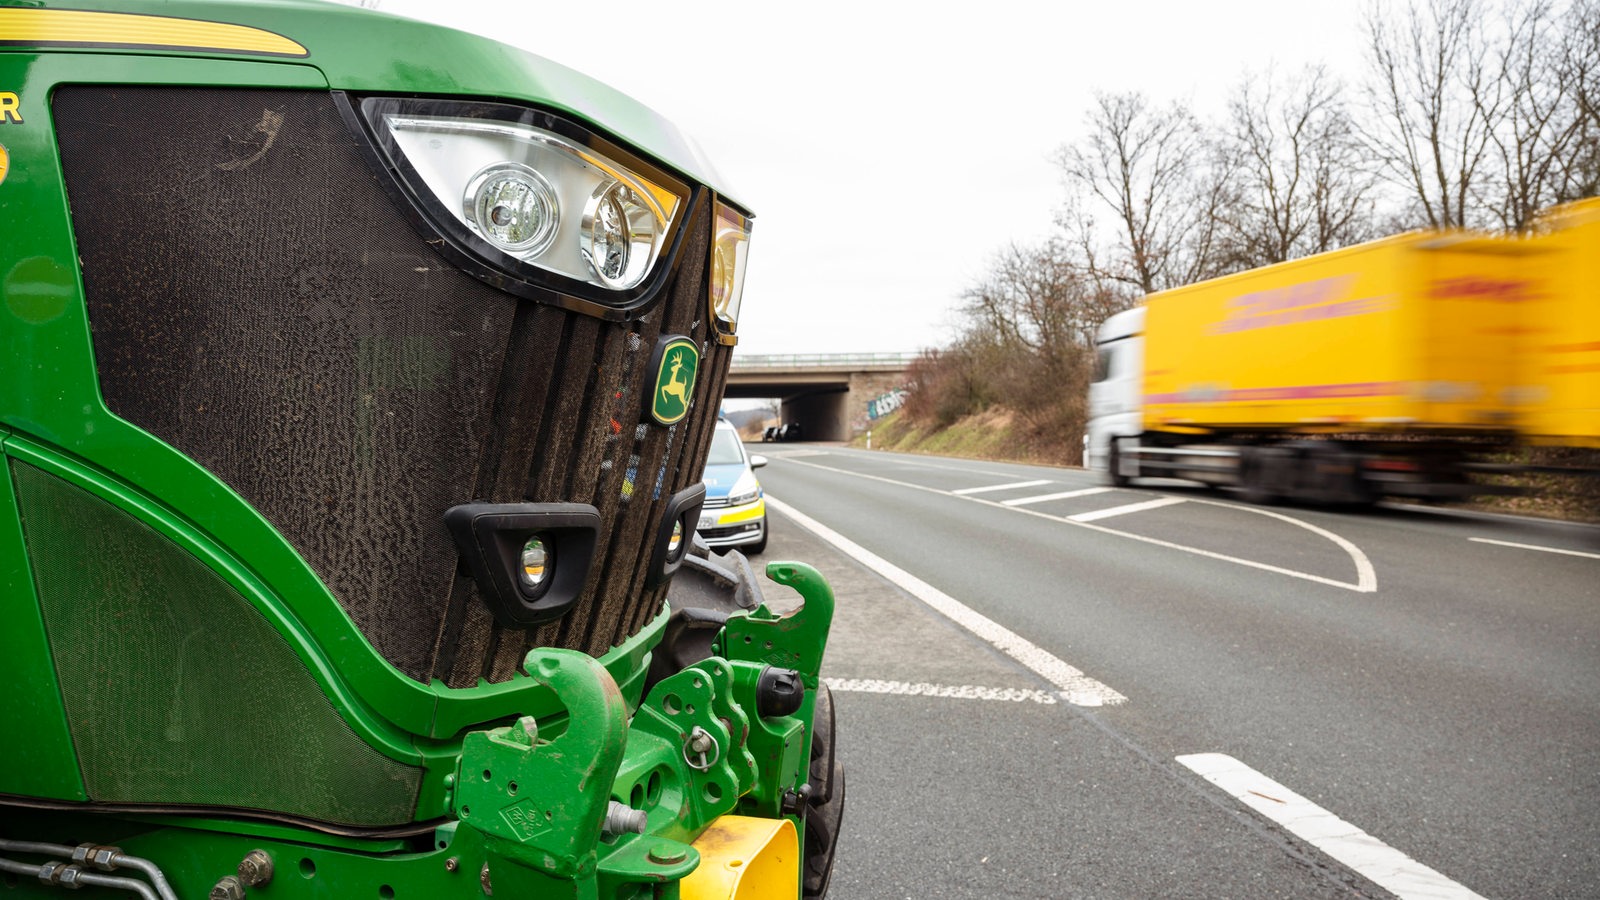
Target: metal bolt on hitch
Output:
{"points": [[255, 869]]}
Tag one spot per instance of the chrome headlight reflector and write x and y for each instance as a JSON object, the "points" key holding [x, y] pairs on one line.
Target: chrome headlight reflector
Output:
{"points": [[514, 208], [532, 195], [730, 251], [620, 232]]}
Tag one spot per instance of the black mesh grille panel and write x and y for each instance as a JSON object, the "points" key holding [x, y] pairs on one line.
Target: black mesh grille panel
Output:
{"points": [[177, 691], [258, 302]]}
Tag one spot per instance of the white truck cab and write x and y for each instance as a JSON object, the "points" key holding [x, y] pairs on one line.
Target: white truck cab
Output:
{"points": [[1116, 408]]}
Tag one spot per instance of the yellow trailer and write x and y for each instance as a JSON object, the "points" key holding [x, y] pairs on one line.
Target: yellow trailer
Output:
{"points": [[1561, 358], [1392, 368], [1413, 333]]}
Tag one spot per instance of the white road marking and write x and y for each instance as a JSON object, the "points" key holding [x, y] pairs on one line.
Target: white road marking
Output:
{"points": [[923, 689], [1366, 578], [1537, 547], [1124, 510], [966, 469], [1083, 492], [999, 487], [795, 454], [1387, 867], [1076, 688]]}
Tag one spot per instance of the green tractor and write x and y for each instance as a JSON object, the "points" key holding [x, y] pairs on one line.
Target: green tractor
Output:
{"points": [[358, 376]]}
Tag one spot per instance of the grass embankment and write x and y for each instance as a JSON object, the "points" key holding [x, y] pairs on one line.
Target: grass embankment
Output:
{"points": [[991, 434], [995, 434]]}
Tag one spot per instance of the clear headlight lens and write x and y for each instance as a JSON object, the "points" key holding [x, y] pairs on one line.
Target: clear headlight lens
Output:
{"points": [[546, 198], [730, 251], [514, 207]]}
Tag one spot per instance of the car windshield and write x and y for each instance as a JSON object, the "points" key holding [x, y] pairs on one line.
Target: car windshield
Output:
{"points": [[725, 449]]}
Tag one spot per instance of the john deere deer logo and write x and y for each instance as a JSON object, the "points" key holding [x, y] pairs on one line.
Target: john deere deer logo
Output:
{"points": [[679, 361], [674, 388]]}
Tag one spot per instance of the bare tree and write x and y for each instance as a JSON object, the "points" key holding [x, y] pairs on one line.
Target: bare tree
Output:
{"points": [[1436, 102], [1039, 299], [1150, 170], [1578, 65], [1542, 122], [1299, 183]]}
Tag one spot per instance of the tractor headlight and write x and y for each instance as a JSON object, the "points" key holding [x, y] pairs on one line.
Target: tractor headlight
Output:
{"points": [[532, 195], [730, 251]]}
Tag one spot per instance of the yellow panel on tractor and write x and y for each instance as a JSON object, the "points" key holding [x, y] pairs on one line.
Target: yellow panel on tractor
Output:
{"points": [[745, 858]]}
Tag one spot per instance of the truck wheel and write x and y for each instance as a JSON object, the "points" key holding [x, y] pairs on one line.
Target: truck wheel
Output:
{"points": [[1255, 477], [1114, 464], [1333, 476]]}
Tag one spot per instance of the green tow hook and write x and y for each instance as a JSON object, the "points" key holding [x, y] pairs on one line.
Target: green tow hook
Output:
{"points": [[795, 641], [540, 804], [782, 746]]}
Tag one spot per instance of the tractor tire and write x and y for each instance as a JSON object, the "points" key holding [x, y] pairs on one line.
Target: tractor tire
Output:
{"points": [[825, 806]]}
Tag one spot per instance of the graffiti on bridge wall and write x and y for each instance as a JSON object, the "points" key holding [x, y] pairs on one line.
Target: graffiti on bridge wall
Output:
{"points": [[884, 404]]}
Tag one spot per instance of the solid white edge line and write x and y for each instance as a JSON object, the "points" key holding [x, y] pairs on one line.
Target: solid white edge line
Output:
{"points": [[1536, 547], [1042, 498], [1366, 855], [923, 689], [1366, 579], [1124, 510], [1076, 688], [998, 487]]}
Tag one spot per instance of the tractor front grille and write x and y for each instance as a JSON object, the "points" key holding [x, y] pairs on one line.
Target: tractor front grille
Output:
{"points": [[258, 301]]}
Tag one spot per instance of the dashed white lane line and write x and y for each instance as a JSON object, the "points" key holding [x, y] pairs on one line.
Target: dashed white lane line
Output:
{"points": [[1537, 547], [1081, 492], [1366, 577], [1124, 510], [923, 689], [998, 487], [1075, 687], [1387, 867], [795, 454]]}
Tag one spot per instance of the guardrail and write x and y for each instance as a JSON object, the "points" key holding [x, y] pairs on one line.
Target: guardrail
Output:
{"points": [[822, 360]]}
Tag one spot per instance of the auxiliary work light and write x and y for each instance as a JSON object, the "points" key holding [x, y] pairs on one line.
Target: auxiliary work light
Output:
{"points": [[535, 562], [678, 521], [530, 559]]}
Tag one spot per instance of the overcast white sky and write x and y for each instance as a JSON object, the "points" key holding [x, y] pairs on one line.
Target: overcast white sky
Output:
{"points": [[889, 149]]}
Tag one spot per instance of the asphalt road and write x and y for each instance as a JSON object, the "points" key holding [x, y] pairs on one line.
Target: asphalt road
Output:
{"points": [[1164, 693]]}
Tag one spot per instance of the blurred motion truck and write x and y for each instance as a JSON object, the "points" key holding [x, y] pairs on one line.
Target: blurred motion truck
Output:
{"points": [[358, 377], [1392, 368]]}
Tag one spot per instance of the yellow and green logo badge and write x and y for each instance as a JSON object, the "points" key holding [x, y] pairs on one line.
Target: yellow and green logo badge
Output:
{"points": [[677, 363], [5, 162]]}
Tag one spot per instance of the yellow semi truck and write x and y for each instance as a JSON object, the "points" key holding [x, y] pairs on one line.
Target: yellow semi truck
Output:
{"points": [[1391, 368]]}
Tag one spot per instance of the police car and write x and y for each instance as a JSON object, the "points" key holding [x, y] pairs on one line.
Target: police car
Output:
{"points": [[735, 511]]}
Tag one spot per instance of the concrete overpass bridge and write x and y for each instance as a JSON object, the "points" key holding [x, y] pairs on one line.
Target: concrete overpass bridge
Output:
{"points": [[827, 393]]}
